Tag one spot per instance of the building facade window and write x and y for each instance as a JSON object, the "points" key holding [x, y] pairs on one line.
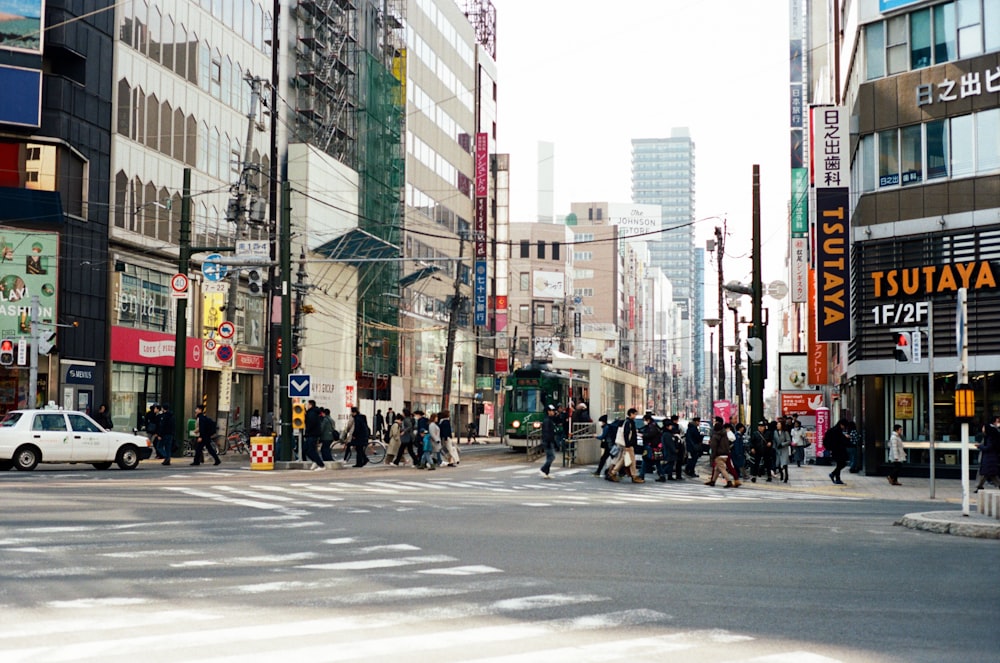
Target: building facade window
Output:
{"points": [[525, 280], [524, 314], [525, 248], [539, 314]]}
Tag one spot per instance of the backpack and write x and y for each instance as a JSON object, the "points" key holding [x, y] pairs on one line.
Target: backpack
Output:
{"points": [[210, 426]]}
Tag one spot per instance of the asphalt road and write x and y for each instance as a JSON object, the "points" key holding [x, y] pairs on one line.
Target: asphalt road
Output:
{"points": [[484, 562]]}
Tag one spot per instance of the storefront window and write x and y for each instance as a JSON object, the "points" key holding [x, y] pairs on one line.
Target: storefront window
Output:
{"points": [[868, 163], [133, 389], [888, 158]]}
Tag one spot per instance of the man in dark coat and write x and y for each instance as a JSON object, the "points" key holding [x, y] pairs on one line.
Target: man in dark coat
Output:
{"points": [[835, 440], [692, 442], [549, 439], [165, 432], [310, 435], [989, 455], [360, 440]]}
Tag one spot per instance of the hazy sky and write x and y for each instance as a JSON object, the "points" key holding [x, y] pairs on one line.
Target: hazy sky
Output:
{"points": [[590, 76]]}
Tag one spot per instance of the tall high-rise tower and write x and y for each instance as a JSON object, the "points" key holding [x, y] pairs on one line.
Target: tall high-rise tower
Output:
{"points": [[663, 174]]}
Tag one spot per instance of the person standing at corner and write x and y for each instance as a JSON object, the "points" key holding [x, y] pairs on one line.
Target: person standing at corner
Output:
{"points": [[327, 435], [407, 439], [799, 442], [204, 431], [348, 434], [165, 432], [782, 443], [449, 442], [361, 435], [757, 444], [835, 440], [989, 454], [390, 417], [897, 454], [692, 442], [310, 435], [549, 439], [394, 442], [379, 424], [103, 417]]}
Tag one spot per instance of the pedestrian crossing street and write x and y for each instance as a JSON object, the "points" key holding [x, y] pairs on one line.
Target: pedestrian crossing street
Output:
{"points": [[326, 598], [512, 483]]}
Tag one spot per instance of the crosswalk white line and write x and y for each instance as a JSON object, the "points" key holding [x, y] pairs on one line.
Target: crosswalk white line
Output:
{"points": [[381, 563], [461, 570], [475, 637], [253, 504]]}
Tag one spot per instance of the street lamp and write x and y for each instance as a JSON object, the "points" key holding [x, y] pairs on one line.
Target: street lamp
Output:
{"points": [[712, 324], [458, 405]]}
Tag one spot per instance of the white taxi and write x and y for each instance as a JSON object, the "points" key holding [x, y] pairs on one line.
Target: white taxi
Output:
{"points": [[30, 437]]}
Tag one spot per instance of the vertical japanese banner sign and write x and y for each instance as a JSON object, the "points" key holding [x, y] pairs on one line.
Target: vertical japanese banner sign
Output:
{"points": [[818, 369], [831, 141], [482, 191], [479, 293]]}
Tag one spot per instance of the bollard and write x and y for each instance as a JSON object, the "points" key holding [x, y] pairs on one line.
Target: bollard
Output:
{"points": [[262, 453]]}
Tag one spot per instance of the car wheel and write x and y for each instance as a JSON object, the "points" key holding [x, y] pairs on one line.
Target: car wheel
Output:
{"points": [[26, 458], [6, 465], [128, 457], [101, 466]]}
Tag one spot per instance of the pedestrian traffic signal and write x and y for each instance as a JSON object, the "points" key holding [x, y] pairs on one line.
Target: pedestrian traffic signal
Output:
{"points": [[298, 416], [904, 346], [7, 352], [256, 284]]}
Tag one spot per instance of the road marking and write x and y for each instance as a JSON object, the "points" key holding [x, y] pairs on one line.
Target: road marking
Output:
{"points": [[383, 563], [461, 570]]}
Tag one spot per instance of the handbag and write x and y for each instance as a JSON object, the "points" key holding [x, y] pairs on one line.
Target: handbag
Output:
{"points": [[620, 436]]}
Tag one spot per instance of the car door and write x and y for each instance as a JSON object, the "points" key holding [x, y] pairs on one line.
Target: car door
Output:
{"points": [[91, 443], [49, 432]]}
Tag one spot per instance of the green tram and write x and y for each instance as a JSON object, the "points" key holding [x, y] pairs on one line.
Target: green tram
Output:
{"points": [[529, 391]]}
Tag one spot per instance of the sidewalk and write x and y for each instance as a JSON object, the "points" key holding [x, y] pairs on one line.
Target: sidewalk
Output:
{"points": [[944, 514]]}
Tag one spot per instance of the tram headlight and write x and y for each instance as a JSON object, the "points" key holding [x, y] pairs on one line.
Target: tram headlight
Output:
{"points": [[515, 424], [536, 424]]}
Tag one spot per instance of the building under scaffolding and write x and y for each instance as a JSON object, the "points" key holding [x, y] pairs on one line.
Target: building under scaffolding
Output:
{"points": [[349, 102]]}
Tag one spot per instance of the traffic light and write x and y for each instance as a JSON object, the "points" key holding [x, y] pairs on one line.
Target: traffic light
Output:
{"points": [[298, 415], [256, 284], [7, 352], [904, 346]]}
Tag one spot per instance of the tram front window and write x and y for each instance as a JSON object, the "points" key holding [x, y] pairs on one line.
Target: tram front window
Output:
{"points": [[527, 400]]}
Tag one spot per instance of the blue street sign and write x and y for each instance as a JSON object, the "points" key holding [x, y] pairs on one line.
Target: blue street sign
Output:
{"points": [[298, 385], [213, 269]]}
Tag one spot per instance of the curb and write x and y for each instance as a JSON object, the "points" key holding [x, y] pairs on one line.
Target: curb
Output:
{"points": [[945, 522]]}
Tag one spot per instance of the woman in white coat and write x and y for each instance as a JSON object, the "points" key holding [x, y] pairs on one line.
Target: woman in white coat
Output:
{"points": [[897, 454]]}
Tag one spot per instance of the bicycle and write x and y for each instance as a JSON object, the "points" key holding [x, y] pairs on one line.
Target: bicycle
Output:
{"points": [[238, 441], [375, 451]]}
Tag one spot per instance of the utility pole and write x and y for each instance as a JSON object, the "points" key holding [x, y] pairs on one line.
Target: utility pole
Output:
{"points": [[285, 267], [237, 213], [456, 306], [180, 332], [758, 366]]}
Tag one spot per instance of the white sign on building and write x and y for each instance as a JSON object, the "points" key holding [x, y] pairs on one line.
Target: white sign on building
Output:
{"points": [[634, 219]]}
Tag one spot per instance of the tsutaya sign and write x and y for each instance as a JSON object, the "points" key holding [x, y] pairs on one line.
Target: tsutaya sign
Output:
{"points": [[831, 136], [929, 279]]}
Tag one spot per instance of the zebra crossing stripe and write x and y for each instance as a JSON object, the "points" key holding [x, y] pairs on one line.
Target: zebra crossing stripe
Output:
{"points": [[461, 570], [382, 563]]}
